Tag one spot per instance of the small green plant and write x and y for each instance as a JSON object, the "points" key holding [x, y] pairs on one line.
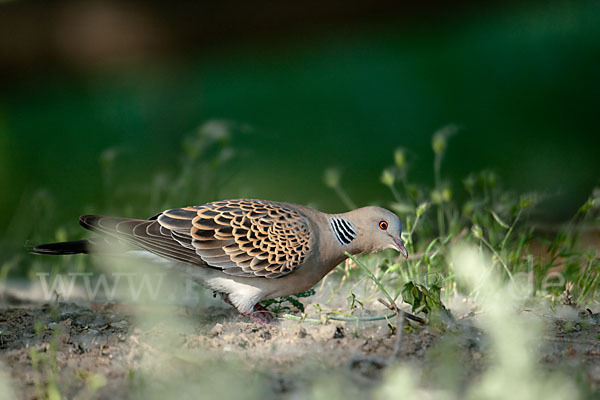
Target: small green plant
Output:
{"points": [[485, 214], [45, 365], [278, 305], [423, 299]]}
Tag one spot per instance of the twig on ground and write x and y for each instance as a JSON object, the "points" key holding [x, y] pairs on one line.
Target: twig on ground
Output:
{"points": [[338, 318], [398, 311], [574, 341]]}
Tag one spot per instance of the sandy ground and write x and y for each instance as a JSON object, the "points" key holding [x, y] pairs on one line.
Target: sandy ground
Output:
{"points": [[112, 351]]}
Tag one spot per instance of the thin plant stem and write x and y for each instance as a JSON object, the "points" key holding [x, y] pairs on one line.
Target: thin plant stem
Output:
{"points": [[339, 318], [437, 164], [395, 192], [489, 246], [345, 198], [441, 223], [372, 276], [512, 227]]}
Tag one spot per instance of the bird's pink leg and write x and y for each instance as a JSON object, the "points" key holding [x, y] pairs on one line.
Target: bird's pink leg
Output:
{"points": [[225, 298], [259, 315]]}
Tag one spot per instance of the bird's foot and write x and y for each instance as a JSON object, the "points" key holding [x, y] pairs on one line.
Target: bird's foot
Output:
{"points": [[225, 298], [261, 315]]}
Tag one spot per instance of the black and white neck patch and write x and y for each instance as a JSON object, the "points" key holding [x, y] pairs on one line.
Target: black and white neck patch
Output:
{"points": [[343, 230]]}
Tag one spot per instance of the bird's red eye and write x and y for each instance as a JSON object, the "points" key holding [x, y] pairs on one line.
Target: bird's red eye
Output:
{"points": [[383, 225]]}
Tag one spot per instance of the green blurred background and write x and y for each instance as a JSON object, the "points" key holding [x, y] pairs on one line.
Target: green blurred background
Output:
{"points": [[86, 84]]}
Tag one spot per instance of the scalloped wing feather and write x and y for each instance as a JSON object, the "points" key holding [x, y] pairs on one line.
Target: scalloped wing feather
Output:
{"points": [[252, 238]]}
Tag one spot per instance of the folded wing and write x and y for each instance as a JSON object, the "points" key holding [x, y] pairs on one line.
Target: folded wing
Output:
{"points": [[251, 238]]}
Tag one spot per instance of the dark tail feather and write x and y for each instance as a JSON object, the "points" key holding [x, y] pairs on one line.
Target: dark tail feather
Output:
{"points": [[101, 244], [75, 247]]}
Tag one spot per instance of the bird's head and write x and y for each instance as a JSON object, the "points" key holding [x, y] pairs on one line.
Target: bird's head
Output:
{"points": [[377, 229]]}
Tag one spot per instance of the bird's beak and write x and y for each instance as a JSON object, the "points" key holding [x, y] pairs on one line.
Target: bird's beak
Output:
{"points": [[400, 247]]}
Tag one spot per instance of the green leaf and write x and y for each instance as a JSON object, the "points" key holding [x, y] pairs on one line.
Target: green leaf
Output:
{"points": [[499, 220], [427, 300]]}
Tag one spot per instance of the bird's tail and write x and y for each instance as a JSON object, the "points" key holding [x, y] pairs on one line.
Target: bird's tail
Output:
{"points": [[62, 248], [98, 244]]}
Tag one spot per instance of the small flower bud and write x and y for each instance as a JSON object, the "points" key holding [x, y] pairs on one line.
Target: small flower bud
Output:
{"points": [[477, 231], [422, 208], [387, 177], [399, 157], [331, 177]]}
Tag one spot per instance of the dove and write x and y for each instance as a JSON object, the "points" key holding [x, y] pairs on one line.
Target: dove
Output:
{"points": [[245, 250]]}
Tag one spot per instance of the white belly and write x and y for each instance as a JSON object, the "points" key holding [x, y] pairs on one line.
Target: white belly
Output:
{"points": [[243, 292]]}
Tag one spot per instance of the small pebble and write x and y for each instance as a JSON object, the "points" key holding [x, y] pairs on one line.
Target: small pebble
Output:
{"points": [[339, 333], [119, 325], [216, 330], [301, 332], [594, 373]]}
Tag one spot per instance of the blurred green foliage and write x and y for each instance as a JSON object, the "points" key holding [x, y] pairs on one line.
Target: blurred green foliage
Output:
{"points": [[553, 266], [520, 83]]}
